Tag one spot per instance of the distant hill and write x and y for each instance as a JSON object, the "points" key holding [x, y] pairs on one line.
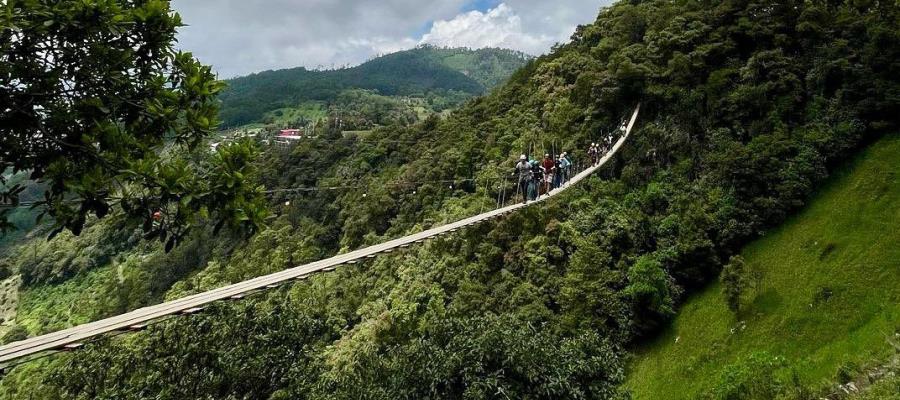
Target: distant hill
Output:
{"points": [[418, 72]]}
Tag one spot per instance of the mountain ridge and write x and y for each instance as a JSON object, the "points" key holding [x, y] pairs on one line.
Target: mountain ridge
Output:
{"points": [[415, 72]]}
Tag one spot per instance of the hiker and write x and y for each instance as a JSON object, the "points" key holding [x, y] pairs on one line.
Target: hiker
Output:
{"points": [[558, 172], [593, 153], [537, 175], [523, 171], [549, 168], [532, 185], [565, 168]]}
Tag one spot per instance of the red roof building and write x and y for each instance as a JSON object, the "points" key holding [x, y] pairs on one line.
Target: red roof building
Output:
{"points": [[293, 134]]}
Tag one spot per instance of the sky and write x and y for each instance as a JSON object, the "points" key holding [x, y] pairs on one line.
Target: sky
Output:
{"points": [[239, 37]]}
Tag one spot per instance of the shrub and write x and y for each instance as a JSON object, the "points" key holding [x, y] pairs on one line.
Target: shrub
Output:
{"points": [[734, 283], [15, 334], [759, 376]]}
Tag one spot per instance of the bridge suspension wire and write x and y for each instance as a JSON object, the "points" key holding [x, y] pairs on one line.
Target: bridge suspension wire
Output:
{"points": [[337, 187], [75, 337], [324, 188], [321, 188]]}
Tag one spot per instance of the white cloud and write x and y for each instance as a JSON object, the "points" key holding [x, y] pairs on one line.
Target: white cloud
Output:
{"points": [[239, 37], [242, 36], [499, 27]]}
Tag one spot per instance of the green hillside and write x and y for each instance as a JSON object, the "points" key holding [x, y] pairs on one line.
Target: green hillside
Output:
{"points": [[423, 72], [827, 299]]}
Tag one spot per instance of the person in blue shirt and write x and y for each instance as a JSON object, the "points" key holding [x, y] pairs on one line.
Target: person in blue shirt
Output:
{"points": [[565, 167]]}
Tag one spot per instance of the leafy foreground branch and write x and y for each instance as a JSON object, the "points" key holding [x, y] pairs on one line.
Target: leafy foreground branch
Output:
{"points": [[100, 110]]}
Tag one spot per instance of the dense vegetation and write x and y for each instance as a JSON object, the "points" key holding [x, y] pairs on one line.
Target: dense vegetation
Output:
{"points": [[103, 114], [822, 304], [747, 106], [425, 71]]}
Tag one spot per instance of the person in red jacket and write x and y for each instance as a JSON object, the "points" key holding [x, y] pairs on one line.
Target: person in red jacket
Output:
{"points": [[549, 169]]}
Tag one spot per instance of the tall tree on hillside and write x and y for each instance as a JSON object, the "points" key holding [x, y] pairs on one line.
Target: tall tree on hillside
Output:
{"points": [[734, 283], [101, 110]]}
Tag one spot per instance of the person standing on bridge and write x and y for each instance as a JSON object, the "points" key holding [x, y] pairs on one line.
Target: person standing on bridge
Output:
{"points": [[549, 169], [523, 172], [565, 168], [557, 172], [537, 175], [594, 153]]}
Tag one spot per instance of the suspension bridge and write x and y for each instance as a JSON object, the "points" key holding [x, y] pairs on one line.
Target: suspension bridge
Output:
{"points": [[75, 337]]}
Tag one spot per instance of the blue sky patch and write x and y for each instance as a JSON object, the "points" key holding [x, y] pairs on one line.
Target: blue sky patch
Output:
{"points": [[480, 5], [425, 28]]}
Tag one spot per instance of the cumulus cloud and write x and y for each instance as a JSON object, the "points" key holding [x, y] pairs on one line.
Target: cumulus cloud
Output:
{"points": [[499, 27], [239, 37], [532, 26]]}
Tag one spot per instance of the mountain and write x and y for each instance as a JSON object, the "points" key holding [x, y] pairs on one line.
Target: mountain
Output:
{"points": [[418, 72], [747, 108]]}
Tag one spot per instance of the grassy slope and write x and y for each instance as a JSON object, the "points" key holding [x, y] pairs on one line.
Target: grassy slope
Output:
{"points": [[845, 240], [886, 389], [80, 300], [311, 110]]}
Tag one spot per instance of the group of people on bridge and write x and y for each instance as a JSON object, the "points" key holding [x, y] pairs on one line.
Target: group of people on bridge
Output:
{"points": [[538, 178]]}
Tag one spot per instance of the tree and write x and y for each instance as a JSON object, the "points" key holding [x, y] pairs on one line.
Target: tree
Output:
{"points": [[650, 292], [98, 105], [734, 282]]}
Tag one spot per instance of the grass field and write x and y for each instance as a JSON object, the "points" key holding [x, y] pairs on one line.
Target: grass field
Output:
{"points": [[827, 295]]}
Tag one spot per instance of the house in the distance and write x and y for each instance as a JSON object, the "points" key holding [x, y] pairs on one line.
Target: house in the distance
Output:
{"points": [[292, 134], [289, 137]]}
